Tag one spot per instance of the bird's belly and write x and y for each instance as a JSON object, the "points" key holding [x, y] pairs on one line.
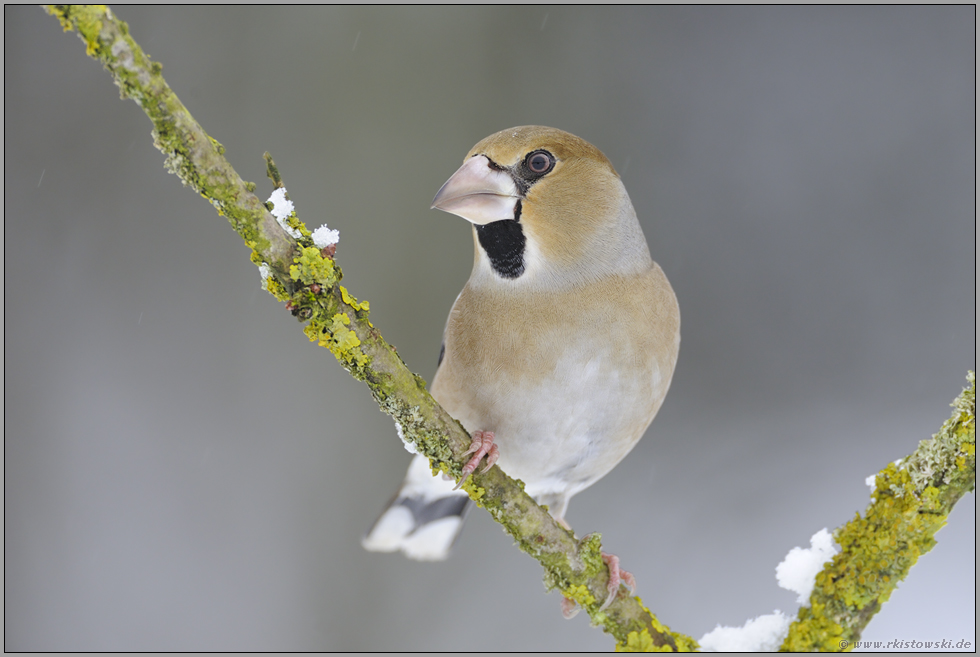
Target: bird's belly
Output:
{"points": [[565, 430]]}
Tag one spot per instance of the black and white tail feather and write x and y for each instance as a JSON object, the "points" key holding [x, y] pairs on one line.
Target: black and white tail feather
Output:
{"points": [[424, 518]]}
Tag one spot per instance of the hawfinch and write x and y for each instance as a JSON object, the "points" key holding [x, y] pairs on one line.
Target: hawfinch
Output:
{"points": [[559, 350]]}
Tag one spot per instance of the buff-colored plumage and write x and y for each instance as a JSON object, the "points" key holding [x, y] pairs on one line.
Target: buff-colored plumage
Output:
{"points": [[563, 341]]}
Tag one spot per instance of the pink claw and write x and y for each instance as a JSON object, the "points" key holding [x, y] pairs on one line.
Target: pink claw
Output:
{"points": [[569, 608], [483, 446], [617, 576]]}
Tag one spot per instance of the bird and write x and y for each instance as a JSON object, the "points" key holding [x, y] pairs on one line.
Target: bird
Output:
{"points": [[559, 350]]}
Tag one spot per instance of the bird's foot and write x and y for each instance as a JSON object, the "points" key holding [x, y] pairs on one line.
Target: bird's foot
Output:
{"points": [[617, 576], [483, 446]]}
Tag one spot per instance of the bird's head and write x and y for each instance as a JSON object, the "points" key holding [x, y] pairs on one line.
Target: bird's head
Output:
{"points": [[546, 206]]}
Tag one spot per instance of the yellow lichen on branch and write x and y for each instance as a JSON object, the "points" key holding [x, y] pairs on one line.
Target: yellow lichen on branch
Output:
{"points": [[910, 503]]}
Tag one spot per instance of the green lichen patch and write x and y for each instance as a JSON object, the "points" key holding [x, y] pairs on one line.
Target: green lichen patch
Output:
{"points": [[293, 222], [310, 267], [344, 338], [352, 301], [943, 459], [426, 438], [639, 642], [682, 642], [639, 639], [276, 289], [580, 594], [475, 492], [336, 336], [85, 19]]}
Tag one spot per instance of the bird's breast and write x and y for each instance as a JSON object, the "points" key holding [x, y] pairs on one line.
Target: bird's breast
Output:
{"points": [[568, 381]]}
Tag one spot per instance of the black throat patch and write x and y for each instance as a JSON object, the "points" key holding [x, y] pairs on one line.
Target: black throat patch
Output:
{"points": [[503, 241]]}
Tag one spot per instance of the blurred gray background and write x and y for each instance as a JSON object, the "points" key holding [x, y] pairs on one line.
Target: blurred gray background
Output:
{"points": [[185, 471]]}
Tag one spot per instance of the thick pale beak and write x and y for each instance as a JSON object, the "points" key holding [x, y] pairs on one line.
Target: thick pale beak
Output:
{"points": [[478, 193]]}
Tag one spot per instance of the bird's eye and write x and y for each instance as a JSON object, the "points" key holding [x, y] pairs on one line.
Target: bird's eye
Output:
{"points": [[540, 162]]}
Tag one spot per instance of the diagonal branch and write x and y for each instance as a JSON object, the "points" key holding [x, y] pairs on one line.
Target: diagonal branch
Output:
{"points": [[309, 280], [910, 503]]}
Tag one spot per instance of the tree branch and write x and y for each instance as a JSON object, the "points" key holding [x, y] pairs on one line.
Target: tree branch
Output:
{"points": [[909, 505]]}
